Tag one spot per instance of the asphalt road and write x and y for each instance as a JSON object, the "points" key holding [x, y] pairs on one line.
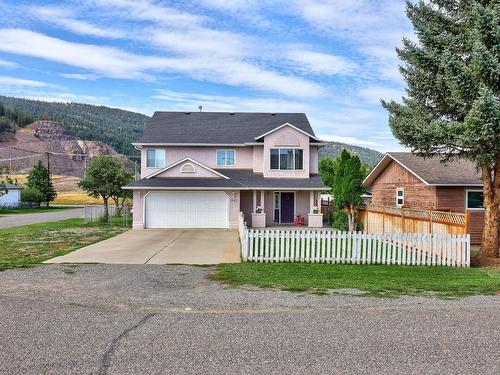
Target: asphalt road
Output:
{"points": [[148, 319], [17, 220]]}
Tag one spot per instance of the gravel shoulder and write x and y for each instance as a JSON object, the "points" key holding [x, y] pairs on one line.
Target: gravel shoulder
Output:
{"points": [[126, 319]]}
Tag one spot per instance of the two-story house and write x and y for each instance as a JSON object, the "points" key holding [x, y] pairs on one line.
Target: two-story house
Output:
{"points": [[201, 169]]}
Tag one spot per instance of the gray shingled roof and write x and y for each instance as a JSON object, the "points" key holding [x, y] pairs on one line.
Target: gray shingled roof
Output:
{"points": [[240, 179], [217, 127], [433, 171]]}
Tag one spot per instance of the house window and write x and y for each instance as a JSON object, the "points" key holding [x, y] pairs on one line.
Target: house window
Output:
{"points": [[226, 158], [155, 158], [400, 197], [188, 168], [475, 200], [287, 158]]}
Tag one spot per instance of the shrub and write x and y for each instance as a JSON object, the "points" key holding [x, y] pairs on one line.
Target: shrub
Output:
{"points": [[32, 195], [339, 220]]}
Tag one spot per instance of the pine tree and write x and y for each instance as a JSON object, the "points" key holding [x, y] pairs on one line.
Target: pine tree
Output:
{"points": [[453, 91], [39, 178]]}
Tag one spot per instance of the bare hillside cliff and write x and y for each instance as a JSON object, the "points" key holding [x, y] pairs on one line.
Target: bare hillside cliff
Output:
{"points": [[48, 139]]}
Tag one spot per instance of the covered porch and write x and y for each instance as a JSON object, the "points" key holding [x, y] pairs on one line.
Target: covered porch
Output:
{"points": [[287, 207]]}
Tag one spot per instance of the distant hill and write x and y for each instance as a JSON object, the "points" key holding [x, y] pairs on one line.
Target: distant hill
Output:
{"points": [[119, 128], [367, 155], [115, 127]]}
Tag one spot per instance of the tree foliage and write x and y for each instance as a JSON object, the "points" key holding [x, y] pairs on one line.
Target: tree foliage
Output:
{"points": [[347, 187], [453, 90], [104, 178], [327, 170], [32, 195], [39, 178]]}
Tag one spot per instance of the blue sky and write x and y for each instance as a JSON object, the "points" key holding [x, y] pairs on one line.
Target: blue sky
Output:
{"points": [[331, 59]]}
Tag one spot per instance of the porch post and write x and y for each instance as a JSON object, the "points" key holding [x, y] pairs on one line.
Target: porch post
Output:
{"points": [[262, 200], [311, 201], [319, 200], [254, 201]]}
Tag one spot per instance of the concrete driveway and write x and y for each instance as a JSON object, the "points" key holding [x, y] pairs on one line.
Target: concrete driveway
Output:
{"points": [[17, 220], [161, 246]]}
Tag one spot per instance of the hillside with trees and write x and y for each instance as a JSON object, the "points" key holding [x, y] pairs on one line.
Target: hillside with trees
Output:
{"points": [[366, 155], [119, 128], [115, 127]]}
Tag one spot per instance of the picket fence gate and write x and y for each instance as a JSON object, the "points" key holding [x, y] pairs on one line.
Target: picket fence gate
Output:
{"points": [[327, 246]]}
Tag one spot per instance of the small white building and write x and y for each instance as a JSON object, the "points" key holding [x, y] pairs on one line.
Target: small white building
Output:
{"points": [[13, 196]]}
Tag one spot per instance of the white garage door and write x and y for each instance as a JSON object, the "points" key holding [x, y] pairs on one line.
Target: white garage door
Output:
{"points": [[187, 209]]}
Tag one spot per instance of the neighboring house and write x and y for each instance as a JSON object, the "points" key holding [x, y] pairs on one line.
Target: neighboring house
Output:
{"points": [[201, 169], [402, 179], [13, 196]]}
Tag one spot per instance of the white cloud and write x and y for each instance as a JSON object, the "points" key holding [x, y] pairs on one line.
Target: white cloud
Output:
{"points": [[190, 101], [322, 63], [79, 76], [19, 82], [6, 64], [66, 19], [373, 94], [115, 63], [374, 28]]}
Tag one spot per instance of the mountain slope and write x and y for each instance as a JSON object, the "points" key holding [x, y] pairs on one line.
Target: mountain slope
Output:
{"points": [[119, 128], [115, 127], [367, 155]]}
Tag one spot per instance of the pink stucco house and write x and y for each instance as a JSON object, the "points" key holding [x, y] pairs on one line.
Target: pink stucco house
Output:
{"points": [[201, 169]]}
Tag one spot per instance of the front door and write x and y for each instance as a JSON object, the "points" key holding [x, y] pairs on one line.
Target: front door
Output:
{"points": [[287, 207]]}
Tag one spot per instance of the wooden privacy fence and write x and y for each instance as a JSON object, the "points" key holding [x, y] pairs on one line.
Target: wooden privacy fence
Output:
{"points": [[327, 246], [380, 219]]}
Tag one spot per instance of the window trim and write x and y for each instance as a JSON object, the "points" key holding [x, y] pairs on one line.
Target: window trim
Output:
{"points": [[279, 158], [155, 159], [467, 199], [225, 151], [400, 189]]}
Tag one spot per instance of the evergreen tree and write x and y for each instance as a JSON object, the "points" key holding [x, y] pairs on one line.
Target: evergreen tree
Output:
{"points": [[453, 89], [347, 187], [39, 178]]}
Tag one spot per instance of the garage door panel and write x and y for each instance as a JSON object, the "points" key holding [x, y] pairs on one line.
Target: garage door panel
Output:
{"points": [[187, 210]]}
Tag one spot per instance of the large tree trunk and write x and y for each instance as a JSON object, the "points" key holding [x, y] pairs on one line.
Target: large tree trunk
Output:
{"points": [[491, 192], [105, 216], [351, 218]]}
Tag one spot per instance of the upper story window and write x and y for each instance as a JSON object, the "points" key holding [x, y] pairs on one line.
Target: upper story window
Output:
{"points": [[226, 158], [400, 197], [475, 200], [155, 158], [287, 158]]}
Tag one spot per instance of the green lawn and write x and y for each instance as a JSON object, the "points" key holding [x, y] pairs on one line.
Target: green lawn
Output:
{"points": [[375, 280], [32, 244], [9, 211]]}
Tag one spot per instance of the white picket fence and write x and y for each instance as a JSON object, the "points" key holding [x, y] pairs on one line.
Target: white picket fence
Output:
{"points": [[328, 246]]}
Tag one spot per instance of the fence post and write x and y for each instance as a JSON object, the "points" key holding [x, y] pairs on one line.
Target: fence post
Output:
{"points": [[430, 221], [467, 221]]}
